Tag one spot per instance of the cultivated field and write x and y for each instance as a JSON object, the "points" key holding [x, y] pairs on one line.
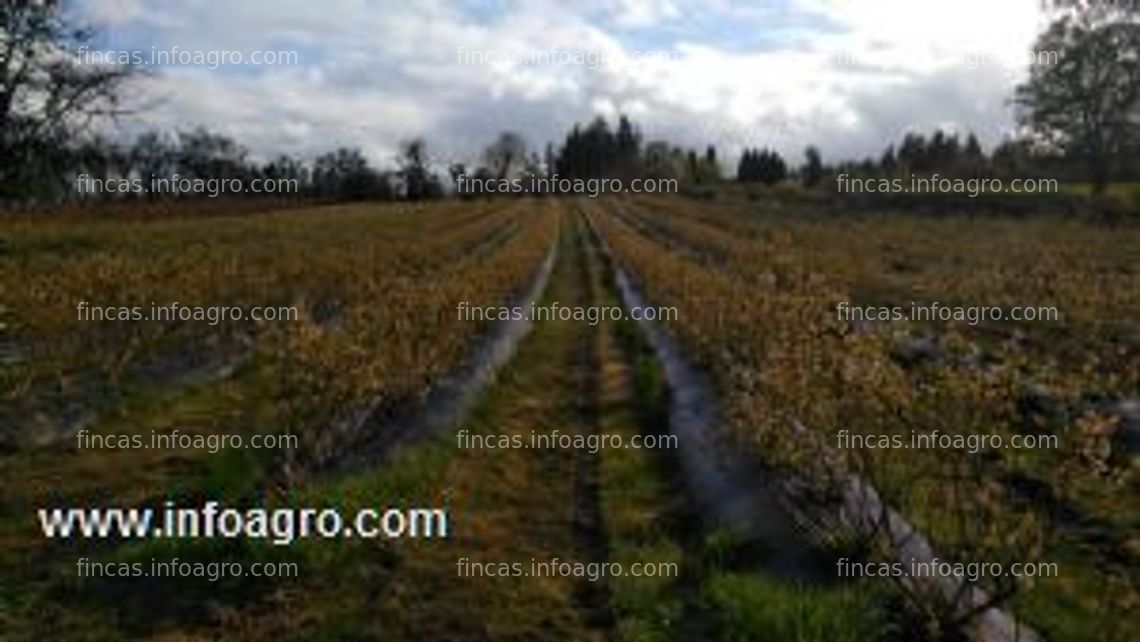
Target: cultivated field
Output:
{"points": [[367, 347], [759, 296]]}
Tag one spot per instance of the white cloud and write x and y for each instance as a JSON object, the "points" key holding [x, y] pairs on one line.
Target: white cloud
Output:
{"points": [[110, 13], [643, 13], [850, 75]]}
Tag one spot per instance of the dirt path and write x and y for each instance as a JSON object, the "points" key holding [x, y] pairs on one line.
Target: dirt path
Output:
{"points": [[530, 505]]}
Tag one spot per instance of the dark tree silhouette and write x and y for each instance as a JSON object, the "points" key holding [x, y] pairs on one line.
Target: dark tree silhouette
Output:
{"points": [[506, 155], [813, 167], [1085, 104], [419, 182], [49, 95], [761, 166]]}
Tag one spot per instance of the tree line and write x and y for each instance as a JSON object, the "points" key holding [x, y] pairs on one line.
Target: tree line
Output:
{"points": [[1079, 118]]}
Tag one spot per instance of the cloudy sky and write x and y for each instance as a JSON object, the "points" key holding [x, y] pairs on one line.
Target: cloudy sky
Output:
{"points": [[847, 75]]}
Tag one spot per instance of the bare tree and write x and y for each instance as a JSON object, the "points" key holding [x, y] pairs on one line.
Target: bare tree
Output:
{"points": [[419, 181], [49, 94], [508, 152]]}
